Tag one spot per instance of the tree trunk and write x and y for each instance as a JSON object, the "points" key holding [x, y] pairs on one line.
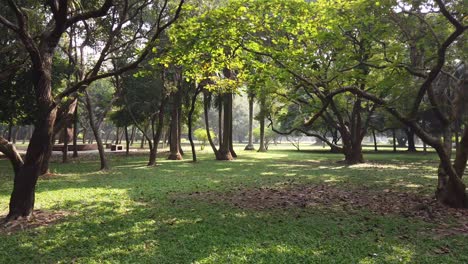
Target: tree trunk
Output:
{"points": [[132, 137], [75, 132], [411, 144], [262, 147], [127, 142], [26, 133], [15, 134], [117, 135], [102, 155], [142, 142], [250, 145], [450, 188], [354, 155], [375, 140], [224, 150], [84, 136], [158, 134], [174, 136], [207, 125], [394, 140], [10, 130], [23, 195], [220, 122], [40, 145], [65, 145], [190, 117], [231, 145], [179, 130]]}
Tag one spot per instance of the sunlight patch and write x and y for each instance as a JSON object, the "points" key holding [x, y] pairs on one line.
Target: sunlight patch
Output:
{"points": [[379, 166]]}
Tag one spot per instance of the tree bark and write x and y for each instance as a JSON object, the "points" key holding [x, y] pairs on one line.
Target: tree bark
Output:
{"points": [[179, 130], [65, 145], [375, 140], [127, 142], [250, 145], [451, 190], [132, 137], [75, 132], [220, 121], [117, 135], [174, 137], [262, 147], [190, 117], [40, 145], [9, 150], [10, 130], [224, 150], [206, 106], [15, 134], [231, 145], [411, 144], [158, 134]]}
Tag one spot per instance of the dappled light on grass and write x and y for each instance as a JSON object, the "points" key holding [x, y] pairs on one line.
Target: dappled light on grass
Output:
{"points": [[137, 215]]}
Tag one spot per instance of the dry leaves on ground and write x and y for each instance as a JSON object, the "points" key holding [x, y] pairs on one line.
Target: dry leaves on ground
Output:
{"points": [[386, 202]]}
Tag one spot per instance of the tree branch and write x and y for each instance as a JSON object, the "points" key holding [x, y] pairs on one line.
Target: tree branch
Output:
{"points": [[11, 153], [90, 14], [84, 83]]}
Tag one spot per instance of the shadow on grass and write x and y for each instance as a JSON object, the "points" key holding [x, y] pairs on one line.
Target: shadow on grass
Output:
{"points": [[126, 215], [186, 232]]}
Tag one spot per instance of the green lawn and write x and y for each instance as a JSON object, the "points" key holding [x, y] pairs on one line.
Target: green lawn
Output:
{"points": [[136, 214]]}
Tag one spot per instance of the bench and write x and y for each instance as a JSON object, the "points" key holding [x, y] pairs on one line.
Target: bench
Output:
{"points": [[116, 147]]}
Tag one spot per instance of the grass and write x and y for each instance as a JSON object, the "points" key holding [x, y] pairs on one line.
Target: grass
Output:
{"points": [[135, 214]]}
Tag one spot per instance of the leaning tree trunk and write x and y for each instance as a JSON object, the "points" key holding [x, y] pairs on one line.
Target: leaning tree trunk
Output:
{"points": [[190, 117], [206, 106], [102, 155], [23, 195], [250, 145], [40, 145], [224, 150]]}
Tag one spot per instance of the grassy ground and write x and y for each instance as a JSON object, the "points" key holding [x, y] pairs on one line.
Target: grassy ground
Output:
{"points": [[136, 214]]}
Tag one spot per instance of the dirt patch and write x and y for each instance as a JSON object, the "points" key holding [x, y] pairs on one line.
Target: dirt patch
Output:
{"points": [[386, 202], [39, 218]]}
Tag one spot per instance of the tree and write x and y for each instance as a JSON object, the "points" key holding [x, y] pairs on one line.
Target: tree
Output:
{"points": [[202, 136], [450, 190], [60, 16]]}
